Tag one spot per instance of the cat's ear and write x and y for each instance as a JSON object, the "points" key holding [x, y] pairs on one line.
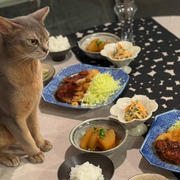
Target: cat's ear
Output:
{"points": [[8, 27], [41, 14]]}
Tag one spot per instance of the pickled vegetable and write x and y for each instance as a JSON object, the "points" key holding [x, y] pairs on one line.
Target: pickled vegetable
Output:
{"points": [[135, 110], [85, 139], [96, 45], [99, 139], [108, 141], [120, 53], [93, 141]]}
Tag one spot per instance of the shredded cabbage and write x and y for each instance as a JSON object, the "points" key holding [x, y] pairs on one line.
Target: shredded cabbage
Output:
{"points": [[175, 126], [101, 88]]}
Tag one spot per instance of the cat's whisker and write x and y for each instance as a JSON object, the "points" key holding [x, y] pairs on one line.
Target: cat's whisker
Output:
{"points": [[23, 60], [27, 57]]}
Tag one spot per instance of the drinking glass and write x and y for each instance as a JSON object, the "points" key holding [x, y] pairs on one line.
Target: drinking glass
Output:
{"points": [[125, 11]]}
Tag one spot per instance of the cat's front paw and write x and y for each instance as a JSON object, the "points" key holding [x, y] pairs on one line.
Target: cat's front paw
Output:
{"points": [[9, 160], [46, 146], [36, 158]]}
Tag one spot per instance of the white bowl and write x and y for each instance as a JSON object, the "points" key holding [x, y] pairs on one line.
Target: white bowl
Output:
{"points": [[109, 48], [148, 176], [117, 111], [103, 36]]}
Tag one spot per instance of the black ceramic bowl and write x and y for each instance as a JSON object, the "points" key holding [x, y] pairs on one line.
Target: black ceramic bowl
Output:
{"points": [[96, 159], [59, 55]]}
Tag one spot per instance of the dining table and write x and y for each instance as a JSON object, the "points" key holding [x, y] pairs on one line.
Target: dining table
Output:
{"points": [[155, 73]]}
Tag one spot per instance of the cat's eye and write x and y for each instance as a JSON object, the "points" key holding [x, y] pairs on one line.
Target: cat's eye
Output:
{"points": [[33, 42]]}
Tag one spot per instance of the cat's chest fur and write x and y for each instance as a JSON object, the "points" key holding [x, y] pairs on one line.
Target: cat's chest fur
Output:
{"points": [[24, 86]]}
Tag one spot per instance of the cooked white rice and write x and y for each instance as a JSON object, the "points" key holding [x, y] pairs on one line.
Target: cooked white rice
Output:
{"points": [[86, 171], [58, 43]]}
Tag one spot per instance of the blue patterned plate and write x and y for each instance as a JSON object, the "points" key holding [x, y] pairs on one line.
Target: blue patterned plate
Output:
{"points": [[50, 89], [160, 125]]}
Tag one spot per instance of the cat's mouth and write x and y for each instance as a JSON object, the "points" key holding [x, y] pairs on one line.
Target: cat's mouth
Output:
{"points": [[44, 56]]}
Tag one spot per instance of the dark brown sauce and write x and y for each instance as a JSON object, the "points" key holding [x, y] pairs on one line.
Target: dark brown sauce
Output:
{"points": [[168, 151], [117, 142]]}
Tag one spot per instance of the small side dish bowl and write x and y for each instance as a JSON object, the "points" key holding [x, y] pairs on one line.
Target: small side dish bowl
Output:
{"points": [[77, 133], [136, 126], [48, 72], [96, 159], [148, 176], [102, 36], [110, 48]]}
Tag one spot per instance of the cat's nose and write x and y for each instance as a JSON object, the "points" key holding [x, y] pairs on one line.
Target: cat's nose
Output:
{"points": [[45, 49]]}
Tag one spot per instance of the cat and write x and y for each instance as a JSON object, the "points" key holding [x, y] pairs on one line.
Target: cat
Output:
{"points": [[23, 42]]}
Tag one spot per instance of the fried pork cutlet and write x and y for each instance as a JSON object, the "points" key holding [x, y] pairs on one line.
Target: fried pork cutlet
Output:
{"points": [[168, 146], [73, 88], [66, 92], [77, 77]]}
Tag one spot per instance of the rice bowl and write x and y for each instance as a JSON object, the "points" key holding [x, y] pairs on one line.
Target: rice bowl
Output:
{"points": [[86, 171]]}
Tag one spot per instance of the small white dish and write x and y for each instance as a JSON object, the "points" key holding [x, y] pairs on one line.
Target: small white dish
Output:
{"points": [[148, 176], [136, 127], [126, 69], [109, 48]]}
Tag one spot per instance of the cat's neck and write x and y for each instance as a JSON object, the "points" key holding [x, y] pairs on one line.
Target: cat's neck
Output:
{"points": [[24, 73]]}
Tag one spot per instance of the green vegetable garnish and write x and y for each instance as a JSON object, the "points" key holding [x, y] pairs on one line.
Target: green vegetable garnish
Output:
{"points": [[115, 52], [45, 75], [95, 128], [175, 126], [102, 133], [98, 43], [89, 149]]}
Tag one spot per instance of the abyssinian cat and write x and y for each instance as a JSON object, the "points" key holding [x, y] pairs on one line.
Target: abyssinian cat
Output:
{"points": [[23, 42]]}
